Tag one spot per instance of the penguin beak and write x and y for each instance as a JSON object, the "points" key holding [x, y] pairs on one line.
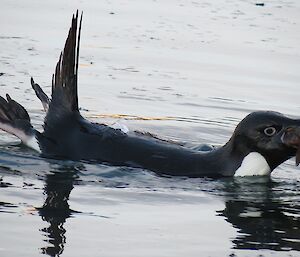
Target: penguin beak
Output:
{"points": [[291, 138]]}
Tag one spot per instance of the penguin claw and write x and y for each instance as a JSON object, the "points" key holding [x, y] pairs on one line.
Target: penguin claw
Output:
{"points": [[291, 138], [298, 157]]}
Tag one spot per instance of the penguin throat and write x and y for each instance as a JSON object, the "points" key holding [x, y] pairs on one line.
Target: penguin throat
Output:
{"points": [[254, 164]]}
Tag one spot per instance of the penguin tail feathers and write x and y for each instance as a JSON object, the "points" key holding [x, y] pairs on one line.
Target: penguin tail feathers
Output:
{"points": [[65, 79]]}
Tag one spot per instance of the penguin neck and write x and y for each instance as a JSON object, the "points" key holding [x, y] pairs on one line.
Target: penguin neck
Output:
{"points": [[243, 161], [224, 159]]}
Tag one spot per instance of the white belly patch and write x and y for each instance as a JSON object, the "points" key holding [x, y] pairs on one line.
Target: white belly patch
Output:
{"points": [[32, 143], [29, 140], [254, 164]]}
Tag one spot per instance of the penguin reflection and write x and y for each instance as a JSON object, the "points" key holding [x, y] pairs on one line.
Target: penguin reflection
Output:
{"points": [[56, 210], [263, 214]]}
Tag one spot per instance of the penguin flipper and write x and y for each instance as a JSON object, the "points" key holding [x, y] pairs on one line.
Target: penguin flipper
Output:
{"points": [[40, 94]]}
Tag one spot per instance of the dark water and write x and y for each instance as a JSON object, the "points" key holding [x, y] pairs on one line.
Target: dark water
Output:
{"points": [[186, 71]]}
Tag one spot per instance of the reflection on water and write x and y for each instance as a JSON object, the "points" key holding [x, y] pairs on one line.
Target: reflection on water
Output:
{"points": [[264, 214], [56, 210]]}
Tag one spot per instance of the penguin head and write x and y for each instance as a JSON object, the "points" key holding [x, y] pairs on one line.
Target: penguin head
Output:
{"points": [[264, 132]]}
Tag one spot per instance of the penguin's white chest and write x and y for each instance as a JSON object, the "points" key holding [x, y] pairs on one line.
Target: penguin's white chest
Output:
{"points": [[254, 164], [32, 143]]}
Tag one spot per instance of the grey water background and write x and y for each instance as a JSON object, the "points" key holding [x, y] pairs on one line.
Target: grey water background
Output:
{"points": [[187, 71]]}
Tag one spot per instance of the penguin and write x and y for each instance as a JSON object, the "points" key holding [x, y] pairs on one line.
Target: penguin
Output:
{"points": [[256, 147]]}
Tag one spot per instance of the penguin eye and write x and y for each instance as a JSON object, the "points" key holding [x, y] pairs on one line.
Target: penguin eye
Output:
{"points": [[270, 131]]}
